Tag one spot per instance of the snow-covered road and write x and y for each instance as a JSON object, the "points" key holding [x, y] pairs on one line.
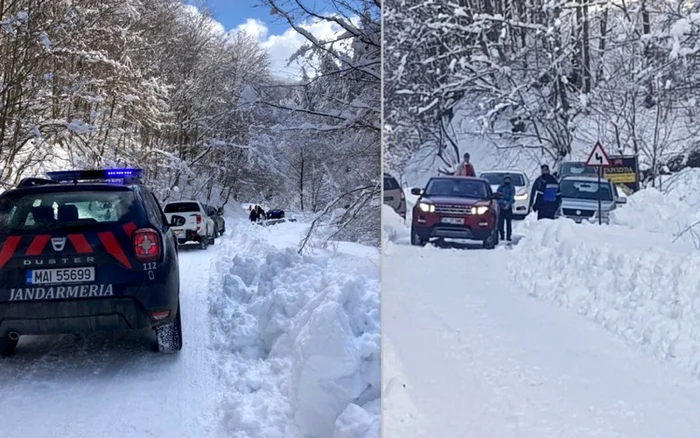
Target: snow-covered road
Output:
{"points": [[474, 356], [114, 385]]}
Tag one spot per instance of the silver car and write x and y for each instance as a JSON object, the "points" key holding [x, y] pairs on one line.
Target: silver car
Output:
{"points": [[394, 196], [580, 194]]}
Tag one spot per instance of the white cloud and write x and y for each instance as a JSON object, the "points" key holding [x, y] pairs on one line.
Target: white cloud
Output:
{"points": [[216, 27], [282, 47]]}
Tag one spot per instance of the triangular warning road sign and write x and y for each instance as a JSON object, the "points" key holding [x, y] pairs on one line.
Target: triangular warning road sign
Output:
{"points": [[598, 156]]}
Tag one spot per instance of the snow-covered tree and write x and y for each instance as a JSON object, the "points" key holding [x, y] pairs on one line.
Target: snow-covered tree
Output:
{"points": [[323, 136], [541, 75]]}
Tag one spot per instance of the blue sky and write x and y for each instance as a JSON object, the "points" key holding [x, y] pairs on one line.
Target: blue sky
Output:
{"points": [[233, 13], [274, 35]]}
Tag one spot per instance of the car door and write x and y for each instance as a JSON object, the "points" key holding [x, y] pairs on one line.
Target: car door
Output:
{"points": [[209, 221]]}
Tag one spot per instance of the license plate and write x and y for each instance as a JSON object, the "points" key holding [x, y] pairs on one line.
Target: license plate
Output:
{"points": [[453, 220], [62, 275]]}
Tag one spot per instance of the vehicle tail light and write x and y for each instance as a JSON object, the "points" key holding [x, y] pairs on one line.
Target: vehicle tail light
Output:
{"points": [[147, 247], [160, 315], [199, 219]]}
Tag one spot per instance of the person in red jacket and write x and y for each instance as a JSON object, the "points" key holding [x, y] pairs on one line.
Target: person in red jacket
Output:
{"points": [[465, 168]]}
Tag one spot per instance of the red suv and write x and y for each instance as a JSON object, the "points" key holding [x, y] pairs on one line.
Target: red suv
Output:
{"points": [[455, 207]]}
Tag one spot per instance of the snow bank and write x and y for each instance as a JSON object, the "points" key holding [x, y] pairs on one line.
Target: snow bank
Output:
{"points": [[394, 229], [671, 210], [299, 342], [644, 290]]}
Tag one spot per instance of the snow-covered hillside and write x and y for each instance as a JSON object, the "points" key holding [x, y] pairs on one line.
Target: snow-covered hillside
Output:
{"points": [[578, 331]]}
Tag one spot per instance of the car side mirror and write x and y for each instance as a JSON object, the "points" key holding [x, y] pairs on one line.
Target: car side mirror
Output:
{"points": [[416, 191], [621, 200], [177, 221]]}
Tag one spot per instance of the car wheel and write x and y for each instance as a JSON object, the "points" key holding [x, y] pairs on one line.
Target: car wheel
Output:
{"points": [[203, 243], [169, 336], [7, 346], [416, 240], [213, 237], [492, 240]]}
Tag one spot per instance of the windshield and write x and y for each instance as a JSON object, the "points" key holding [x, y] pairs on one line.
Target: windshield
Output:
{"points": [[181, 207], [30, 212], [457, 187], [586, 190], [496, 178], [576, 168], [390, 183]]}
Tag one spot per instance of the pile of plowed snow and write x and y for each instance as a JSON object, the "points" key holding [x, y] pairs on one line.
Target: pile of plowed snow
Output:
{"points": [[670, 210], [639, 285], [298, 341], [394, 228]]}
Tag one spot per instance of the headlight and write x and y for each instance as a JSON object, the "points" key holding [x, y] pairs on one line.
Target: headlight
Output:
{"points": [[521, 197], [480, 210], [426, 207]]}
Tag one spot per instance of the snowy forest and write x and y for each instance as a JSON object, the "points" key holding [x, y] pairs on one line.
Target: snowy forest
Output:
{"points": [[154, 84], [545, 76]]}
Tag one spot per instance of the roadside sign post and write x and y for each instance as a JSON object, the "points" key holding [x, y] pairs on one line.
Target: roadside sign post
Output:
{"points": [[599, 159]]}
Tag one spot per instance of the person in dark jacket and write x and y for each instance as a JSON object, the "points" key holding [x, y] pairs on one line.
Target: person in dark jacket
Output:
{"points": [[545, 198], [253, 214], [261, 212], [505, 202]]}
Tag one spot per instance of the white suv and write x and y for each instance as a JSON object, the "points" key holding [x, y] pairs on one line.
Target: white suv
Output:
{"points": [[198, 227]]}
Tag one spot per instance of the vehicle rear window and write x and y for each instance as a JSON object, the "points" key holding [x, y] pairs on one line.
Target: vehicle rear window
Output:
{"points": [[574, 168], [181, 207], [457, 187], [585, 190], [46, 210], [496, 178], [390, 183]]}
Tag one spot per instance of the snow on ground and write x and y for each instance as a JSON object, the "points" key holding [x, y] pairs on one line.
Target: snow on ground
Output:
{"points": [[113, 384], [579, 331], [275, 345], [297, 336]]}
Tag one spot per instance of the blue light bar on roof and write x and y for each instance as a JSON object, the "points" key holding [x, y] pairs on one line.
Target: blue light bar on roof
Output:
{"points": [[88, 175]]}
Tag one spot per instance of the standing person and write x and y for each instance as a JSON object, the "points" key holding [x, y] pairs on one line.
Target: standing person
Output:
{"points": [[465, 168], [261, 213], [545, 198], [253, 215], [505, 202]]}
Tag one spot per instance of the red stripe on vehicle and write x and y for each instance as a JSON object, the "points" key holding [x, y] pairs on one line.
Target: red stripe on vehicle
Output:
{"points": [[113, 248], [8, 249], [80, 243], [37, 245], [129, 229]]}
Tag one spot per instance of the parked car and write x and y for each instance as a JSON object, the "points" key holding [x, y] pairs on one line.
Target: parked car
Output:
{"points": [[199, 227], [217, 215], [455, 207], [274, 213], [86, 251], [394, 196], [580, 196], [522, 189]]}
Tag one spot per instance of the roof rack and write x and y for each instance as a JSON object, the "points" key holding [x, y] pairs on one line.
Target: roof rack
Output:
{"points": [[126, 176]]}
